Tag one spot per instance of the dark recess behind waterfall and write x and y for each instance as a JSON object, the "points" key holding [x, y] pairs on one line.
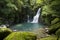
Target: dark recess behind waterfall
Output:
{"points": [[23, 16]]}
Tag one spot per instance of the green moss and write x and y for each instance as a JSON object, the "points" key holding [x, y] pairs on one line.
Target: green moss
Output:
{"points": [[4, 32], [54, 28], [55, 21], [21, 36], [50, 38], [58, 32]]}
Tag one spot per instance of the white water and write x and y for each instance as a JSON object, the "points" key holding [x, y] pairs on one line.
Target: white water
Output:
{"points": [[36, 17], [28, 19]]}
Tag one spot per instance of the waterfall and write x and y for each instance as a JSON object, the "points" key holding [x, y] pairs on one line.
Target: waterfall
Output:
{"points": [[36, 17], [28, 19]]}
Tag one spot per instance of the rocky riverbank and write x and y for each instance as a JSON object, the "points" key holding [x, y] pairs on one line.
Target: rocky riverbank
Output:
{"points": [[41, 33]]}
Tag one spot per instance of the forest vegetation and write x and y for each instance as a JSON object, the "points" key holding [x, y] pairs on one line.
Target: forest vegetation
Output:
{"points": [[15, 11]]}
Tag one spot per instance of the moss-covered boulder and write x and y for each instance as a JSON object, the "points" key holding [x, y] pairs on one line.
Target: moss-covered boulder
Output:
{"points": [[58, 34], [49, 38], [54, 28], [56, 20], [4, 32], [21, 36]]}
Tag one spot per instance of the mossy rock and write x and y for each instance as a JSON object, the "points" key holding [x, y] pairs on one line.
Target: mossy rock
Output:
{"points": [[4, 32], [54, 28], [21, 36], [55, 20], [49, 38], [58, 32]]}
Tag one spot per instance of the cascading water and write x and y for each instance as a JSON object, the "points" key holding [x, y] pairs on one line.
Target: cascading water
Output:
{"points": [[30, 26], [36, 17], [28, 19]]}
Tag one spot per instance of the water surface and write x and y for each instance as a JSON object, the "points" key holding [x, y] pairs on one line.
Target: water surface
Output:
{"points": [[27, 26]]}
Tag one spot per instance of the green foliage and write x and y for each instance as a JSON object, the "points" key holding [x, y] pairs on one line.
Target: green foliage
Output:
{"points": [[55, 5], [46, 18], [55, 21], [4, 32], [58, 32], [52, 7], [54, 28], [47, 10], [16, 11], [21, 36], [50, 15], [39, 2]]}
